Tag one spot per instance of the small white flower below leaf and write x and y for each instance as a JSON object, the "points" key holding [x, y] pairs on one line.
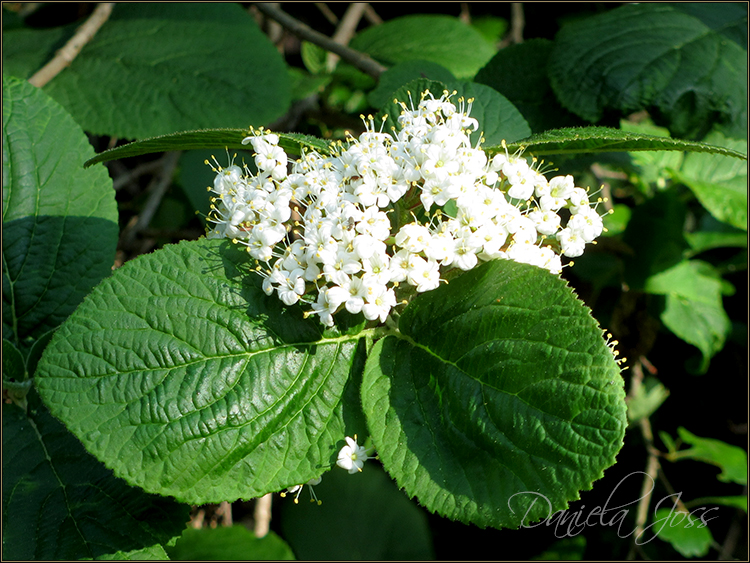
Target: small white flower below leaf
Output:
{"points": [[352, 456]]}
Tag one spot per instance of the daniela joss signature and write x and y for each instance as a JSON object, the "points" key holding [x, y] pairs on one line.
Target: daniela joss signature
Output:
{"points": [[570, 524]]}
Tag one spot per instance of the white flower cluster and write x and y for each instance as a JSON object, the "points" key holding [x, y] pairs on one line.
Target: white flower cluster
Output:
{"points": [[387, 210]]}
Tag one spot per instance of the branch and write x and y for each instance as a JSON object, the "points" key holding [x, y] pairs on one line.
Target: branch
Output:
{"points": [[160, 187], [71, 49], [355, 58], [262, 515], [345, 31]]}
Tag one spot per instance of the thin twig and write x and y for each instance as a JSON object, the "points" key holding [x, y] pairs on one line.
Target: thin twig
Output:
{"points": [[517, 22], [372, 16], [733, 535], [465, 15], [71, 49], [169, 163], [137, 172], [355, 58], [225, 511], [275, 31], [326, 11], [652, 464], [346, 30], [263, 515]]}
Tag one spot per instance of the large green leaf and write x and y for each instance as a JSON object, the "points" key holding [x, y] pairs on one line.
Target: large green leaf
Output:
{"points": [[719, 183], [572, 140], [441, 39], [498, 400], [61, 503], [219, 139], [182, 376], [645, 55], [156, 68], [59, 220]]}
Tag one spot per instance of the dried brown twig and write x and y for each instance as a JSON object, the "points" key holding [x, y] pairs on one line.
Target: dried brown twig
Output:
{"points": [[355, 58]]}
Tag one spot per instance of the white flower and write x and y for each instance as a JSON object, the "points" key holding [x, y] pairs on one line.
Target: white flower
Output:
{"points": [[323, 223], [571, 242], [352, 457]]}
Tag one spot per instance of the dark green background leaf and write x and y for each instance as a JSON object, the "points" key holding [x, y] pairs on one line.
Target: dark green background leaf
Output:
{"points": [[234, 543], [187, 380], [519, 72], [437, 38], [644, 55], [486, 394], [61, 503], [403, 73], [362, 516], [59, 220], [156, 68]]}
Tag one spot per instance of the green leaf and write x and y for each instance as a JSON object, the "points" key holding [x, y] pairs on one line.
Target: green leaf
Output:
{"points": [[644, 55], [234, 543], [487, 401], [649, 397], [305, 84], [694, 310], [519, 72], [735, 502], [14, 366], [651, 167], [161, 68], [700, 241], [719, 183], [403, 73], [441, 39], [27, 50], [362, 516], [151, 553], [568, 549], [727, 18], [497, 117], [313, 57], [687, 533], [59, 220], [492, 28], [182, 376], [60, 503], [218, 139], [661, 218], [731, 459], [573, 140]]}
